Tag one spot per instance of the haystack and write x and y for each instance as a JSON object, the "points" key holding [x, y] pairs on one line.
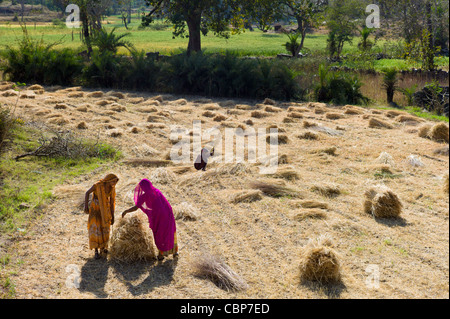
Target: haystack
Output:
{"points": [[309, 135], [246, 196], [320, 263], [310, 214], [213, 268], [424, 130], [439, 133], [329, 191], [377, 123], [275, 188], [185, 211], [381, 202], [288, 173], [334, 116], [131, 240]]}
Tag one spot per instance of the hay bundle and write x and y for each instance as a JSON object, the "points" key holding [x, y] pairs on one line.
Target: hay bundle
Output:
{"points": [[424, 130], [209, 114], [310, 214], [272, 109], [268, 101], [211, 107], [259, 114], [309, 135], [95, 94], [136, 100], [439, 133], [82, 126], [243, 107], [393, 113], [295, 115], [275, 189], [277, 138], [409, 119], [381, 202], [287, 173], [312, 204], [213, 268], [319, 262], [377, 123], [288, 120], [297, 109], [334, 116], [116, 107], [246, 196], [185, 211], [75, 94], [118, 95], [307, 124], [162, 176], [329, 191], [219, 118], [131, 240], [353, 110], [147, 109], [385, 158]]}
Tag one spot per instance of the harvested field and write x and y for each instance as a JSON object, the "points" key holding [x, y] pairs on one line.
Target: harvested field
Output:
{"points": [[259, 225]]}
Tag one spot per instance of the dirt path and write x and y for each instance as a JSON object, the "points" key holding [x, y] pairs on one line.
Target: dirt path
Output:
{"points": [[261, 240]]}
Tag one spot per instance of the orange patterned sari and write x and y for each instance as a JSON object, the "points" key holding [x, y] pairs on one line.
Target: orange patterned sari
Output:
{"points": [[101, 211]]}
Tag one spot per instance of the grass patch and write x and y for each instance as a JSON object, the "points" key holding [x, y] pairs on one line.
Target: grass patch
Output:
{"points": [[26, 185]]}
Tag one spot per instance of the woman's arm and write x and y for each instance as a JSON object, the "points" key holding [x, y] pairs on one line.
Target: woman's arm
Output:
{"points": [[86, 200], [132, 209], [111, 204]]}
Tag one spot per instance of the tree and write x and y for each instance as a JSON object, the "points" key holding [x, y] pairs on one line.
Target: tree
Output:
{"points": [[200, 17], [342, 21], [307, 13]]}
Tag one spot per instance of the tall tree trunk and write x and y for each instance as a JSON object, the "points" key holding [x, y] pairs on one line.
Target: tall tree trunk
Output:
{"points": [[195, 40]]}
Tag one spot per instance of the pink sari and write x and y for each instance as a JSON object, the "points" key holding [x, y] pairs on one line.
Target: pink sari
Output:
{"points": [[159, 212]]}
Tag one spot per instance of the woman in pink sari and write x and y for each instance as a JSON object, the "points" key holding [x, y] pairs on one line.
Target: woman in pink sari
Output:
{"points": [[160, 217]]}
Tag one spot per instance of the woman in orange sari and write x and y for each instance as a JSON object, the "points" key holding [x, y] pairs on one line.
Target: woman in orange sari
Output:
{"points": [[101, 212]]}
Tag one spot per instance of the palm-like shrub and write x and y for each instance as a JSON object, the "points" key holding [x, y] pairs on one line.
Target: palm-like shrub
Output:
{"points": [[390, 81], [105, 41], [292, 46]]}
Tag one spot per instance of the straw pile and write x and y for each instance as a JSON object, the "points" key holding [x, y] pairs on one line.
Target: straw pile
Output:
{"points": [[185, 211], [310, 214], [131, 240], [381, 202], [275, 189], [334, 116], [213, 268], [385, 158], [246, 196], [309, 135], [319, 262], [377, 123], [439, 133], [329, 191]]}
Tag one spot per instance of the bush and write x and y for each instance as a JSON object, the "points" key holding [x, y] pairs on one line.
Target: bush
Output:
{"points": [[35, 62], [338, 88]]}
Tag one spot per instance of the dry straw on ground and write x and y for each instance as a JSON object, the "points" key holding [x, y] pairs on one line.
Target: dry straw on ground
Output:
{"points": [[329, 191], [213, 268], [162, 176], [275, 189], [131, 240], [381, 202], [319, 262]]}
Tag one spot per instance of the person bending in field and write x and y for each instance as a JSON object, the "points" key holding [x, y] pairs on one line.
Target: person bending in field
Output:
{"points": [[202, 159], [152, 202], [101, 212]]}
